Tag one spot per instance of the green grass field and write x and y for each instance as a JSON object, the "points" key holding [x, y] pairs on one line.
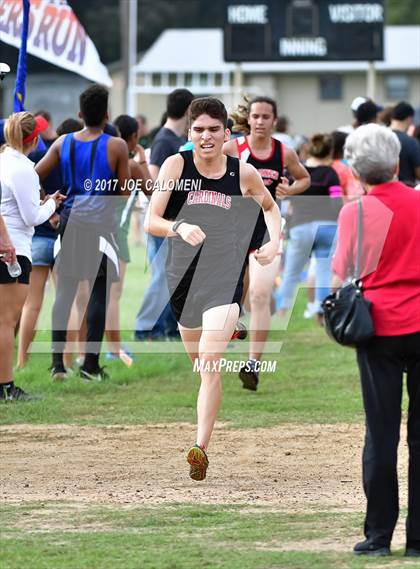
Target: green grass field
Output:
{"points": [[315, 382]]}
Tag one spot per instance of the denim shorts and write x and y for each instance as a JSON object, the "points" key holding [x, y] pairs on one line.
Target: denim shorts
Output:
{"points": [[43, 251]]}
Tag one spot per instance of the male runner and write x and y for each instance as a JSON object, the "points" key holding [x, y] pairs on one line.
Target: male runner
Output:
{"points": [[204, 261], [271, 158]]}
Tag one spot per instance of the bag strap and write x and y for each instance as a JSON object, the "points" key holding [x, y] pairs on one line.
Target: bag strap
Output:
{"points": [[73, 160], [93, 155], [359, 240]]}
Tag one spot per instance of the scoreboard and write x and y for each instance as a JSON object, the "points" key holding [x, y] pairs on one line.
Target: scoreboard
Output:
{"points": [[303, 30]]}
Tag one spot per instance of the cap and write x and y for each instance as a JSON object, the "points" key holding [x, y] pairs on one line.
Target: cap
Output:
{"points": [[357, 102], [40, 126]]}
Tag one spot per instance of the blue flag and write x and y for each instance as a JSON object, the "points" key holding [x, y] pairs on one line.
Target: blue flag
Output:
{"points": [[21, 70], [19, 102]]}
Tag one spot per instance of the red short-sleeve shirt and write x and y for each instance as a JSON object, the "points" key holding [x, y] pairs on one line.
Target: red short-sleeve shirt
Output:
{"points": [[390, 255]]}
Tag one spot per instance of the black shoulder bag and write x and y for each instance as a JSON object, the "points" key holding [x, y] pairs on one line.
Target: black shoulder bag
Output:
{"points": [[346, 312]]}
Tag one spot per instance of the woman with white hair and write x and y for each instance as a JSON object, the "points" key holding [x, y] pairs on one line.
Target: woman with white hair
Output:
{"points": [[391, 281]]}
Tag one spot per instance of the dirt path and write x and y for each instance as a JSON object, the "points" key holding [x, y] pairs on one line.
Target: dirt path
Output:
{"points": [[298, 468]]}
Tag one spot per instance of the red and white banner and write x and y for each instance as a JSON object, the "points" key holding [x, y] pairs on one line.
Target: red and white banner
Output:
{"points": [[55, 35]]}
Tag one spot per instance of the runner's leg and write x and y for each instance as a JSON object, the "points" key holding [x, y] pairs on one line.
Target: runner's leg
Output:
{"points": [[113, 327], [65, 293], [76, 329], [96, 316], [191, 340], [261, 285], [218, 326]]}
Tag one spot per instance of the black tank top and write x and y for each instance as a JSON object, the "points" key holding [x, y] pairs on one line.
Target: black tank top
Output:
{"points": [[212, 204], [271, 171]]}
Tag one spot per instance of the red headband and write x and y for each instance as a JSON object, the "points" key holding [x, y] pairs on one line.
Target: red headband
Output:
{"points": [[41, 125]]}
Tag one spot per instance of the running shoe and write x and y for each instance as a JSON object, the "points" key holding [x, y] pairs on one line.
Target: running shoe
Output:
{"points": [[98, 374], [58, 373], [240, 332], [311, 310], [198, 461], [111, 356], [249, 376], [14, 393], [123, 354]]}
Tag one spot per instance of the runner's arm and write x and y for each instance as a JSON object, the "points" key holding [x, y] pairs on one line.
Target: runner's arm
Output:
{"points": [[253, 186], [297, 171], [119, 146], [140, 171], [154, 171], [230, 148], [140, 159], [51, 159], [155, 223]]}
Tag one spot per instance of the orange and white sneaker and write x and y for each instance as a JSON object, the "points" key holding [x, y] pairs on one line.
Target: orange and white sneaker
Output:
{"points": [[198, 461]]}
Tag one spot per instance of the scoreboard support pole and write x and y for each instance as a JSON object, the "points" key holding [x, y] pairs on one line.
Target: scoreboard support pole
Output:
{"points": [[238, 83], [131, 94], [371, 80]]}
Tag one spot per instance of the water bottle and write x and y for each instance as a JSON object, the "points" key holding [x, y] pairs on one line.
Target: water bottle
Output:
{"points": [[14, 269]]}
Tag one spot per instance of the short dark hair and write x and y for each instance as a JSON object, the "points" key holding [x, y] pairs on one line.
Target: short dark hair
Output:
{"points": [[367, 112], [282, 124], [42, 113], [264, 99], [94, 104], [126, 125], [209, 106], [177, 103], [112, 130], [338, 140], [402, 111], [69, 125]]}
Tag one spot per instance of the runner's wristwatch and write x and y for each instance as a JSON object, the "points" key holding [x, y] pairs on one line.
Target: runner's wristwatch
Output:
{"points": [[177, 224]]}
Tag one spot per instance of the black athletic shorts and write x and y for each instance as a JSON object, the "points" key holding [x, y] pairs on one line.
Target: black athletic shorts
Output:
{"points": [[193, 290], [189, 303], [25, 265], [199, 279]]}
